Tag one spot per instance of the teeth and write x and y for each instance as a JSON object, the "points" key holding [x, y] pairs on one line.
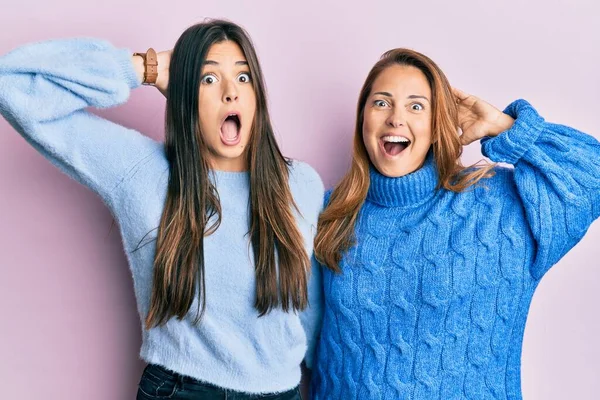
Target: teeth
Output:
{"points": [[395, 139]]}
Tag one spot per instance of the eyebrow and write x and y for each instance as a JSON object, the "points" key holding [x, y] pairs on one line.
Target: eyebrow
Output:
{"points": [[412, 96], [384, 94], [211, 62], [416, 96]]}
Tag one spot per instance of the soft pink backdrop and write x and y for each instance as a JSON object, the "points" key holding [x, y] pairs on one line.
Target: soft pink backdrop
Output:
{"points": [[69, 328]]}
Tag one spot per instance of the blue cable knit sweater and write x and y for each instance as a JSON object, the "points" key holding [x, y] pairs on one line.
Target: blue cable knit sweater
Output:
{"points": [[44, 91], [432, 301]]}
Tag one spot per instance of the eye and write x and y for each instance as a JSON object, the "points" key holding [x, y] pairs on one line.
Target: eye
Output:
{"points": [[244, 77], [417, 106], [380, 103], [209, 79]]}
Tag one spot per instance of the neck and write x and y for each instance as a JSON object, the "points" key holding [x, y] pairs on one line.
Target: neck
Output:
{"points": [[404, 191]]}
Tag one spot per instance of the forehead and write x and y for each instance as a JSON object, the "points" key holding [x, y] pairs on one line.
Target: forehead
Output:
{"points": [[402, 78], [225, 51]]}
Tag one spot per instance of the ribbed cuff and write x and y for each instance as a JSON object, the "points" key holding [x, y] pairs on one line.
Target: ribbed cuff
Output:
{"points": [[126, 68], [509, 146]]}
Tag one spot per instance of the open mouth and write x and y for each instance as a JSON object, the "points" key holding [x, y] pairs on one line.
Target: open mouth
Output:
{"points": [[230, 129], [394, 145]]}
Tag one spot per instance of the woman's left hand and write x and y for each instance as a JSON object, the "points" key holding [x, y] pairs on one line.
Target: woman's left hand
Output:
{"points": [[478, 119]]}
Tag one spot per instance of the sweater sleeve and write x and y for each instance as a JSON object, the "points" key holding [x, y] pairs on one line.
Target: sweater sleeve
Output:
{"points": [[557, 176], [311, 317], [44, 90]]}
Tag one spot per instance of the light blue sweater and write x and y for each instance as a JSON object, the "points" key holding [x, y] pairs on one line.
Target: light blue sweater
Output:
{"points": [[44, 90], [432, 301]]}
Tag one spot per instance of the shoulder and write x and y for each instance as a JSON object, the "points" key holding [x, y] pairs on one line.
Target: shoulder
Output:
{"points": [[306, 185], [496, 187], [305, 176]]}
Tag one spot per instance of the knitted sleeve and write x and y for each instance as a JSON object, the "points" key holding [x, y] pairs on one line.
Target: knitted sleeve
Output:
{"points": [[557, 175], [44, 90], [311, 318], [308, 190]]}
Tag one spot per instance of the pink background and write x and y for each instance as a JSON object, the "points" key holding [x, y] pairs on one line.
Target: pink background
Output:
{"points": [[69, 327]]}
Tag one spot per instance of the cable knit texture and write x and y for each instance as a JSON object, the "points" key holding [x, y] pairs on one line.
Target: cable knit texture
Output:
{"points": [[44, 90], [432, 301]]}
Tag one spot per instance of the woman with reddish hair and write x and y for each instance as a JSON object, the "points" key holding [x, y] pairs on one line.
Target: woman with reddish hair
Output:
{"points": [[430, 265]]}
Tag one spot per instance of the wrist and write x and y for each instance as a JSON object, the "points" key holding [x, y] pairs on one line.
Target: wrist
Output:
{"points": [[503, 123], [150, 66], [138, 65]]}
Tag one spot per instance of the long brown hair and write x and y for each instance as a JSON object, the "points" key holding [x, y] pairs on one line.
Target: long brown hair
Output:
{"points": [[335, 232], [192, 208]]}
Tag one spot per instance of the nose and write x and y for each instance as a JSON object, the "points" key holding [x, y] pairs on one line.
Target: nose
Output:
{"points": [[395, 120], [230, 94]]}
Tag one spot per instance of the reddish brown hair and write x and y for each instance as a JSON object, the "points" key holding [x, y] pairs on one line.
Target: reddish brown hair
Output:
{"points": [[335, 233]]}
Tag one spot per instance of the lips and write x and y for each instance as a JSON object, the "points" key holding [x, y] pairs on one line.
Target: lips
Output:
{"points": [[230, 128], [393, 145]]}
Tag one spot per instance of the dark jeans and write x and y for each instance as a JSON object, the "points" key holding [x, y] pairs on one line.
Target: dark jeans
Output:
{"points": [[160, 383]]}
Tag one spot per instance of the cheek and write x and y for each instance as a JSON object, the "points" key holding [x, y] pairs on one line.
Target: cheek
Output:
{"points": [[370, 126], [247, 95], [207, 120], [207, 110], [250, 113], [206, 97], [370, 142], [421, 128], [366, 136], [249, 104], [251, 107]]}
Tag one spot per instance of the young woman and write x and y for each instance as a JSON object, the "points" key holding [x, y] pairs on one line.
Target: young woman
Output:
{"points": [[432, 266], [217, 225]]}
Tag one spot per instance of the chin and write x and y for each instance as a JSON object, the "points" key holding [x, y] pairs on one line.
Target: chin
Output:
{"points": [[395, 174], [230, 155], [394, 171]]}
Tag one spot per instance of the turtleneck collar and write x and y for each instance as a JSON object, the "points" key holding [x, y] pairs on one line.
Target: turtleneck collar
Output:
{"points": [[404, 191]]}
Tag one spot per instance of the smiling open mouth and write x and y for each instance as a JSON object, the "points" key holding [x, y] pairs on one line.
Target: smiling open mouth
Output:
{"points": [[394, 145], [230, 129]]}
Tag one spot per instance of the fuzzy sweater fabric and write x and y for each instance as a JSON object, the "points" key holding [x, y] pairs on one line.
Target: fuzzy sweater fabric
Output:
{"points": [[432, 301], [45, 89]]}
